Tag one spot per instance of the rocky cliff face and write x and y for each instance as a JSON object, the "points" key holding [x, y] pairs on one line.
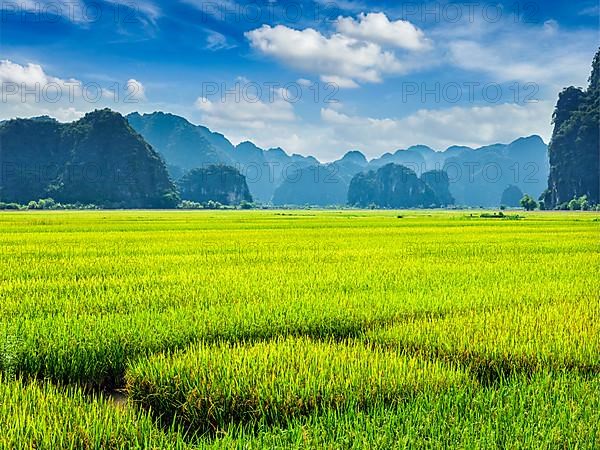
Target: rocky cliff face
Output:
{"points": [[574, 151], [439, 183], [218, 183], [511, 196], [181, 143], [98, 159], [391, 186]]}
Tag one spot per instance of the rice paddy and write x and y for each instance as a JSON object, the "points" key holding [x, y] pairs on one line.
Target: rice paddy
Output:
{"points": [[299, 329]]}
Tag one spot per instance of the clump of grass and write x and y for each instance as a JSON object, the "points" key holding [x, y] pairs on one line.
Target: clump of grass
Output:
{"points": [[209, 387], [499, 215], [548, 411], [500, 342], [40, 415]]}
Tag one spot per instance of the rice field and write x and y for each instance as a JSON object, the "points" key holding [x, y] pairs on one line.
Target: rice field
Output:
{"points": [[299, 329]]}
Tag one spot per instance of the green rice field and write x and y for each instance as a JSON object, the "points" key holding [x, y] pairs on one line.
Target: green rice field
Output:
{"points": [[299, 329]]}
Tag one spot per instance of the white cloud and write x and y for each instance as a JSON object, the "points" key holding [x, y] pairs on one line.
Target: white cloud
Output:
{"points": [[304, 82], [350, 60], [143, 9], [340, 82], [377, 28], [217, 41], [242, 111], [29, 74], [544, 54], [553, 70], [135, 90], [30, 83], [473, 126], [28, 90], [593, 11]]}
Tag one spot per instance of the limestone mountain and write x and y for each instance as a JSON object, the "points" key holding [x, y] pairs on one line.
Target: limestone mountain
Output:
{"points": [[390, 186], [223, 184], [181, 143], [574, 150], [98, 159], [511, 196], [186, 146], [476, 177], [439, 183], [320, 184]]}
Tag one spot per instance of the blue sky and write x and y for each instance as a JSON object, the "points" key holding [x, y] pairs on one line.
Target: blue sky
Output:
{"points": [[314, 77]]}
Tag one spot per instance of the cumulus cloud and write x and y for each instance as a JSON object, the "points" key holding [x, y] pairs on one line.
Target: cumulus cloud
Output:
{"points": [[545, 53], [473, 126], [376, 27], [22, 83], [28, 90], [338, 131], [243, 111], [135, 90], [361, 50], [349, 59]]}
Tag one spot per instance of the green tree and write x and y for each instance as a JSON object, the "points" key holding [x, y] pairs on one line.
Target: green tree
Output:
{"points": [[579, 204], [528, 203]]}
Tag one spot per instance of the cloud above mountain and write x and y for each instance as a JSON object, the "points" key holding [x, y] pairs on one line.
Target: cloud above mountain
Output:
{"points": [[245, 112], [361, 51], [28, 90], [377, 28]]}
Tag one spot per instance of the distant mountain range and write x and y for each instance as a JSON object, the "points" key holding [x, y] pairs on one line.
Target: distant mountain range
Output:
{"points": [[186, 146], [477, 177], [152, 160]]}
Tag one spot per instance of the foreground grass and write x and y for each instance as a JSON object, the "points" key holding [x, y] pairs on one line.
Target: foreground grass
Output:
{"points": [[547, 412], [497, 343], [208, 387], [42, 416], [83, 294], [299, 329]]}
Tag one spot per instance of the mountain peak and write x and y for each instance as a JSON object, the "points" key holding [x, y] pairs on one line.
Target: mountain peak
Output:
{"points": [[533, 139], [420, 148], [104, 116], [278, 151], [102, 139], [43, 119], [355, 156]]}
